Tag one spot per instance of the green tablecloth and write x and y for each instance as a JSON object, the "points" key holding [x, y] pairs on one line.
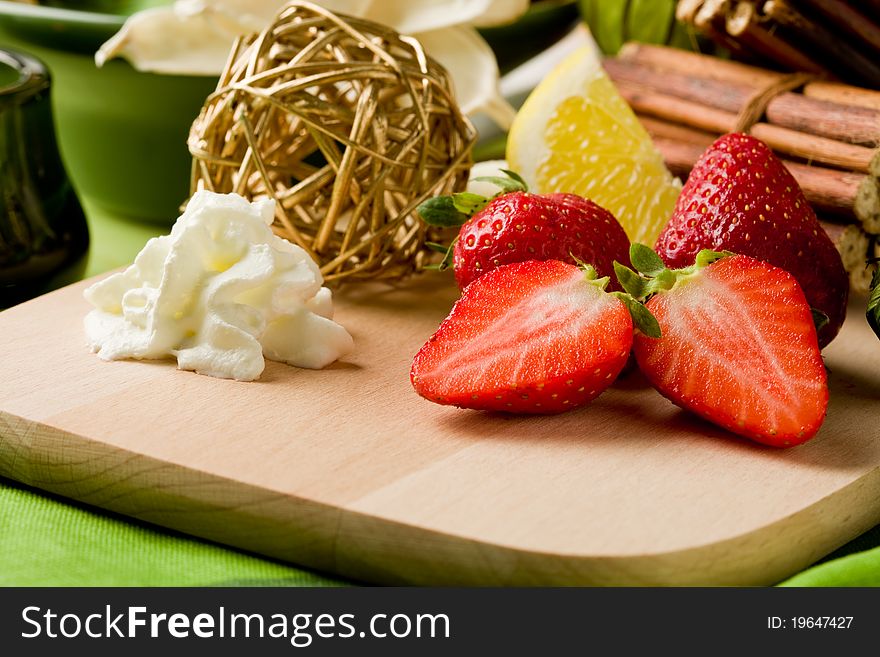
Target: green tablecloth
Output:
{"points": [[46, 541]]}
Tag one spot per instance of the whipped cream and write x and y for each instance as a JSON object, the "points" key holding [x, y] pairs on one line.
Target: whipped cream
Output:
{"points": [[219, 293]]}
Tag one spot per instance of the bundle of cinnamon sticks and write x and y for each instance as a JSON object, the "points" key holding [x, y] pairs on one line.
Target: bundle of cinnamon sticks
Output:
{"points": [[685, 100], [833, 38]]}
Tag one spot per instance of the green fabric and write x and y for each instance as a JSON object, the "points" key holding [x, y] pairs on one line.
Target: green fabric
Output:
{"points": [[49, 542], [855, 564], [45, 541]]}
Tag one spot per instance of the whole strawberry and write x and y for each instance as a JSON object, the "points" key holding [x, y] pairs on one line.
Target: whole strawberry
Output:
{"points": [[741, 198], [737, 344], [528, 337], [516, 226]]}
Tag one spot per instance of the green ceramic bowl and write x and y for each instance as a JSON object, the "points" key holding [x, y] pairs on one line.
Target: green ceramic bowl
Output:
{"points": [[122, 132]]}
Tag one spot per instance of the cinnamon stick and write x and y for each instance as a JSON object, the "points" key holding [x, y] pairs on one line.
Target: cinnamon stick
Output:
{"points": [[871, 7], [671, 60], [658, 128], [843, 93], [849, 19], [858, 125], [784, 140], [847, 60], [770, 44]]}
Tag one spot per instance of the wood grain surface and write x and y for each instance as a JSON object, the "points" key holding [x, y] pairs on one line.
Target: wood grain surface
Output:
{"points": [[347, 470]]}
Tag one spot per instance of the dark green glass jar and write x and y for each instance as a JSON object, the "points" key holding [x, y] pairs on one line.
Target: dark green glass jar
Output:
{"points": [[43, 232]]}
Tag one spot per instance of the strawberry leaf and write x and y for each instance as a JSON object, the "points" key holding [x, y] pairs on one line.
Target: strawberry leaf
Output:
{"points": [[645, 260], [469, 204], [642, 318], [873, 312], [441, 211], [446, 262], [630, 281], [507, 185], [518, 178]]}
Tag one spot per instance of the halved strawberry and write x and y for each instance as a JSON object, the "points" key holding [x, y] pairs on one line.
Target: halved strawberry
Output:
{"points": [[527, 337], [738, 345]]}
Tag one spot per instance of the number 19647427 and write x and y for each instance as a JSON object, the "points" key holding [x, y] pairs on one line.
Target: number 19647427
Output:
{"points": [[809, 622]]}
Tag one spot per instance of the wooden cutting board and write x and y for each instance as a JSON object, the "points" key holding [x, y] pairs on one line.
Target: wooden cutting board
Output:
{"points": [[347, 470]]}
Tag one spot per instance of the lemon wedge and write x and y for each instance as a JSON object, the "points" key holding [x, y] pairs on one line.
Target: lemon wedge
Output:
{"points": [[576, 134]]}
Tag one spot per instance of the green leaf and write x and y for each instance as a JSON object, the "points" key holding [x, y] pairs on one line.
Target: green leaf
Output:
{"points": [[873, 312], [820, 319], [642, 318], [469, 204], [446, 262], [635, 285], [518, 178], [507, 185], [441, 211], [645, 260]]}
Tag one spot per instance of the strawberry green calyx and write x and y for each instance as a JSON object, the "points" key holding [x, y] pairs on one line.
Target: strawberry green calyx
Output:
{"points": [[446, 262], [456, 209], [592, 276], [652, 276], [642, 318]]}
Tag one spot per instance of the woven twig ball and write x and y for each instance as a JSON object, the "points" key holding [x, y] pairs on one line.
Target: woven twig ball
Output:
{"points": [[348, 126]]}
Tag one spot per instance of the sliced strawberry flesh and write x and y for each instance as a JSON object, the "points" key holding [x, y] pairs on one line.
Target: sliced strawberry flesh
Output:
{"points": [[739, 348], [531, 337]]}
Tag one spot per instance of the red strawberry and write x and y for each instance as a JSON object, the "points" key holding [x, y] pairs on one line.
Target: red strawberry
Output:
{"points": [[517, 226], [528, 337], [739, 197], [521, 226], [738, 347]]}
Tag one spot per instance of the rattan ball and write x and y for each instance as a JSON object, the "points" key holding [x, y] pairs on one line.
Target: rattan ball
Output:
{"points": [[348, 126]]}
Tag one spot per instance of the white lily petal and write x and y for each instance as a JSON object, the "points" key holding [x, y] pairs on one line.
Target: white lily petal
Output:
{"points": [[164, 41], [411, 16], [501, 12], [474, 71], [193, 37]]}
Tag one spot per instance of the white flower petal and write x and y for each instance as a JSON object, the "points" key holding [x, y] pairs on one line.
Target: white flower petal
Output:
{"points": [[500, 12], [411, 16], [193, 37], [471, 63]]}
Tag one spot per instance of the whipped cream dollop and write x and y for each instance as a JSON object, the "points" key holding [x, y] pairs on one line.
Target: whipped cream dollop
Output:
{"points": [[219, 293]]}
